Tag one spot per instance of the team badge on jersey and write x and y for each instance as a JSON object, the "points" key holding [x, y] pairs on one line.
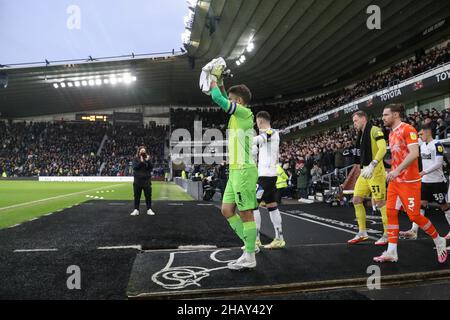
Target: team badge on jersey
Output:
{"points": [[413, 136], [440, 149]]}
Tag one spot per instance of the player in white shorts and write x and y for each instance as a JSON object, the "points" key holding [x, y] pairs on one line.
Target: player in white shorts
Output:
{"points": [[267, 145]]}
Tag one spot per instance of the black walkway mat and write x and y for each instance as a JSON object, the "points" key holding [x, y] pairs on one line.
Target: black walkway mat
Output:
{"points": [[192, 274], [43, 275], [320, 224], [108, 223], [316, 252]]}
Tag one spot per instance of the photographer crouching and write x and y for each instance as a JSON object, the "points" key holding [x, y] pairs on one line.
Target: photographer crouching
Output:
{"points": [[142, 172]]}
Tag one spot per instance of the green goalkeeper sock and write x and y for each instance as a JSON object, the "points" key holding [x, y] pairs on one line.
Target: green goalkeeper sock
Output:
{"points": [[250, 236], [237, 225]]}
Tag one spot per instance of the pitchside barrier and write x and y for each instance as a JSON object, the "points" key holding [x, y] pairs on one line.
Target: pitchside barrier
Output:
{"points": [[18, 178], [193, 188]]}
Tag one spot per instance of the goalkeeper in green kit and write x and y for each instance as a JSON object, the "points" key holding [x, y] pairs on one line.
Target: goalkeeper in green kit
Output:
{"points": [[240, 191]]}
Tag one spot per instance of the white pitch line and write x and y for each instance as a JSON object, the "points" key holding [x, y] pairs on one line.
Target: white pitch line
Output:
{"points": [[324, 224], [137, 247], [198, 247], [25, 204], [16, 225], [33, 219], [319, 223], [34, 250]]}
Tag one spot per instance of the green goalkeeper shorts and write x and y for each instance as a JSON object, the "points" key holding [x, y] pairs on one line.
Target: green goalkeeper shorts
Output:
{"points": [[241, 189]]}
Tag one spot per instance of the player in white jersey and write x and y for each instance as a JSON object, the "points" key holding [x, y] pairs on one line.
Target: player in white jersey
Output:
{"points": [[434, 184], [267, 145]]}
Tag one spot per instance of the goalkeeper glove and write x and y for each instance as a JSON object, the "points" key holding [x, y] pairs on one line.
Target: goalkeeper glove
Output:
{"points": [[367, 172], [217, 73]]}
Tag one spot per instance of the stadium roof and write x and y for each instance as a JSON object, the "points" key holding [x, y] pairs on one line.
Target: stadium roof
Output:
{"points": [[297, 45]]}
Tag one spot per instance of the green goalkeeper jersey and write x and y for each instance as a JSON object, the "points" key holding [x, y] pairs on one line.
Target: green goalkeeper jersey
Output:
{"points": [[240, 131]]}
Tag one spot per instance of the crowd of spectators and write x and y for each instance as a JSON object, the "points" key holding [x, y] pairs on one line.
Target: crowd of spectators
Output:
{"points": [[72, 149], [211, 118], [124, 140], [49, 149], [289, 113]]}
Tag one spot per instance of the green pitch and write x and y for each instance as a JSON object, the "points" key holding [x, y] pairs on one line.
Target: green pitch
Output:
{"points": [[24, 200]]}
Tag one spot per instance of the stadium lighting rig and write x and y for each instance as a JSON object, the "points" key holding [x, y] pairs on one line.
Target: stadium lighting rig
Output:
{"points": [[188, 21], [241, 60], [122, 78], [250, 47], [192, 3], [186, 36]]}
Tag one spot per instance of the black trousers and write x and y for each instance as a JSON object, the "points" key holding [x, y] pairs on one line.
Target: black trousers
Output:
{"points": [[138, 188]]}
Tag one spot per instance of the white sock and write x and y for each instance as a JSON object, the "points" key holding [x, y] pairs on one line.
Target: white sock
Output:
{"points": [[392, 248], [275, 217], [437, 240], [447, 215], [250, 256], [257, 215]]}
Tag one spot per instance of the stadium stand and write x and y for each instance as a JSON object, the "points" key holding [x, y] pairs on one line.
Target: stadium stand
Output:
{"points": [[73, 149], [50, 149], [122, 143], [210, 118], [292, 112]]}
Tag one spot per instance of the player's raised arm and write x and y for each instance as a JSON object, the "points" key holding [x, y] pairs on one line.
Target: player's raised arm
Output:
{"points": [[224, 92], [220, 98], [218, 92]]}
